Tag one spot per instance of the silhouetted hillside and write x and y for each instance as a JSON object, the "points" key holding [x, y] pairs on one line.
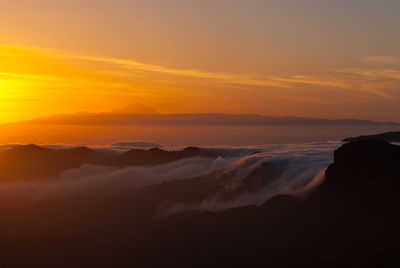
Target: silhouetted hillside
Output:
{"points": [[350, 220], [31, 161], [393, 136]]}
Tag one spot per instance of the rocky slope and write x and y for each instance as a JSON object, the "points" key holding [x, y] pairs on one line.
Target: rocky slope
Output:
{"points": [[350, 220], [393, 136]]}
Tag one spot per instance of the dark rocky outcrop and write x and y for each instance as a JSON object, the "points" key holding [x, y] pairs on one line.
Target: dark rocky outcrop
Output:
{"points": [[350, 220], [393, 136]]}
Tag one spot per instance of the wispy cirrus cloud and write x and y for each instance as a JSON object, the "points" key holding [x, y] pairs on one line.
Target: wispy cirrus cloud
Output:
{"points": [[335, 80], [116, 67], [373, 74], [382, 60], [244, 79], [98, 83]]}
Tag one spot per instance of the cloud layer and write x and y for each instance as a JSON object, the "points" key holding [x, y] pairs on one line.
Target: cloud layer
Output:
{"points": [[247, 176]]}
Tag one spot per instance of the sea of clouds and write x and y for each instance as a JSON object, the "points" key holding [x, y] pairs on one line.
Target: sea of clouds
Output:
{"points": [[298, 168]]}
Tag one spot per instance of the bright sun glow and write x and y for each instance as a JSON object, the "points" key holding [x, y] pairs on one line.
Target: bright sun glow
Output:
{"points": [[38, 82]]}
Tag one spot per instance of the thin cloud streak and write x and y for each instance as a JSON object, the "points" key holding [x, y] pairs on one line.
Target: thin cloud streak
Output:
{"points": [[230, 78], [373, 74], [335, 80], [57, 75], [383, 60]]}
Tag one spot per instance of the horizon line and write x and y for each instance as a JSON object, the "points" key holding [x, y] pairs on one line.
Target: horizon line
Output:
{"points": [[53, 116]]}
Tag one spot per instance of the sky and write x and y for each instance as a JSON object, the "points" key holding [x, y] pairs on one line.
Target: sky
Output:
{"points": [[314, 58]]}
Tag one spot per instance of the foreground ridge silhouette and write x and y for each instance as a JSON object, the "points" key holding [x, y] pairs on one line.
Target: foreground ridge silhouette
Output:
{"points": [[26, 162], [393, 136], [350, 220]]}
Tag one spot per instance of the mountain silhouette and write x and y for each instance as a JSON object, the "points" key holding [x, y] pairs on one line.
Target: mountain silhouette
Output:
{"points": [[32, 161], [350, 220], [26, 162], [125, 118], [393, 136]]}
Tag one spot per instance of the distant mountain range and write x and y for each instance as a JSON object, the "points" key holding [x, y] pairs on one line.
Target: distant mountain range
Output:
{"points": [[190, 119]]}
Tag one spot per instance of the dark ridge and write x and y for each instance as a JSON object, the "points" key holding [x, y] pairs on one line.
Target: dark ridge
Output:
{"points": [[365, 168], [157, 156], [30, 148], [26, 162], [31, 161], [365, 154], [351, 220], [393, 136], [137, 144]]}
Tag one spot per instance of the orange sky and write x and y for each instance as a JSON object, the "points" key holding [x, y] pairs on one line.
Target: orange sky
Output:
{"points": [[226, 57]]}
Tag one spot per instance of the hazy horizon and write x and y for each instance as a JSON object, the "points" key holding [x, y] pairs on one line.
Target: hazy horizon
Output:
{"points": [[199, 133], [148, 111], [310, 58]]}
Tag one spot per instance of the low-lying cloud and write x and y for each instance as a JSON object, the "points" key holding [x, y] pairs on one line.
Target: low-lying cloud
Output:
{"points": [[241, 176], [126, 145]]}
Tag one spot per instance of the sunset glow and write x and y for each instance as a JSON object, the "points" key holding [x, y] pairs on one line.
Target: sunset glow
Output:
{"points": [[37, 82], [226, 57], [199, 133]]}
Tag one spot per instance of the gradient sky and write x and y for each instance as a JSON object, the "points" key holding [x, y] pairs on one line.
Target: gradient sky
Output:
{"points": [[318, 58]]}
